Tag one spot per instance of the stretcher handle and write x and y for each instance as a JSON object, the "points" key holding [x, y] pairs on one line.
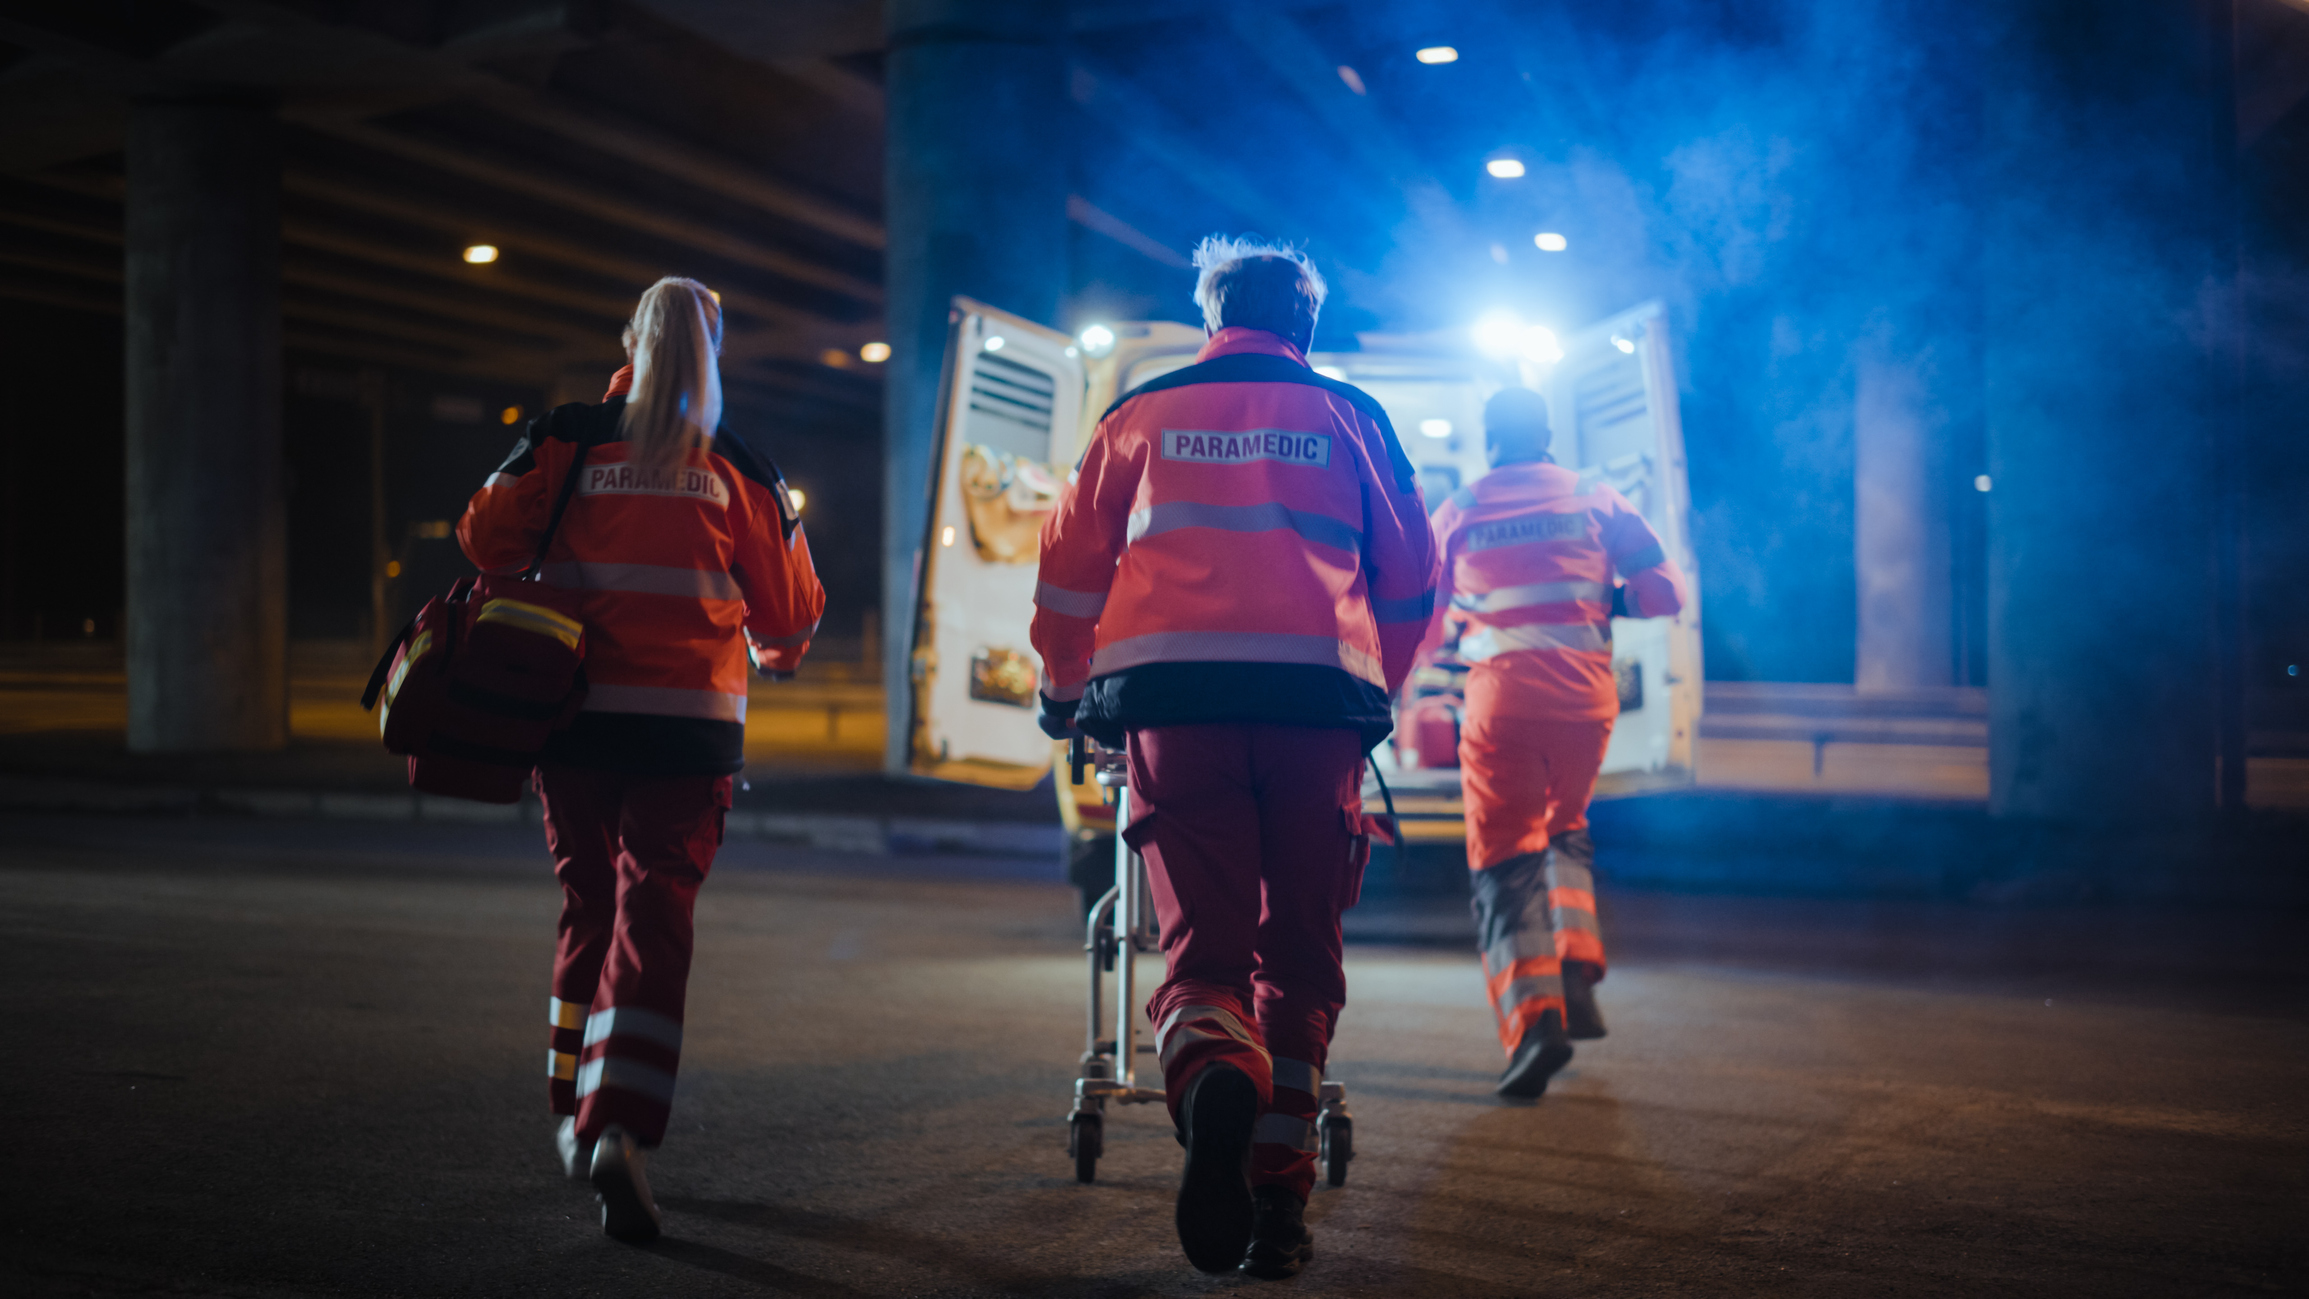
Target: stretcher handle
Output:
{"points": [[1077, 755]]}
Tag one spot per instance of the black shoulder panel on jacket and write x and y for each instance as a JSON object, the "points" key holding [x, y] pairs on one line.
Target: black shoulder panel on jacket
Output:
{"points": [[585, 424], [1262, 367], [762, 470]]}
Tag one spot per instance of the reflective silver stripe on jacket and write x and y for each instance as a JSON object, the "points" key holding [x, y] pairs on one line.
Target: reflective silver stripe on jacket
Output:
{"points": [[1176, 1032], [564, 1014], [1418, 608], [670, 701], [1283, 1130], [1267, 516], [627, 1075], [641, 579], [1298, 1075], [1517, 597], [1074, 604], [1233, 647], [633, 1021], [1490, 642], [788, 642]]}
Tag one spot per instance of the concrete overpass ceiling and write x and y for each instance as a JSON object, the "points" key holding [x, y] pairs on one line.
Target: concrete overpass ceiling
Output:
{"points": [[597, 145]]}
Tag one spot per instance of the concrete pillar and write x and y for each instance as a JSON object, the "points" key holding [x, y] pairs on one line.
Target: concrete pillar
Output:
{"points": [[975, 203], [1900, 525], [207, 634], [2100, 245]]}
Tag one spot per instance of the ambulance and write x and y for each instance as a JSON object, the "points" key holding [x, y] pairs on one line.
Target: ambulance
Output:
{"points": [[1019, 401]]}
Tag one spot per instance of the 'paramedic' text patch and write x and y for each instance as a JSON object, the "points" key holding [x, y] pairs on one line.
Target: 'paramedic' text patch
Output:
{"points": [[1569, 526], [1242, 448], [681, 480]]}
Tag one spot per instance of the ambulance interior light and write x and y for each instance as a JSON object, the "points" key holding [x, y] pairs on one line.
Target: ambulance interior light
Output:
{"points": [[1097, 340], [994, 342], [1624, 343], [1435, 428], [1548, 241], [1502, 335], [1331, 372]]}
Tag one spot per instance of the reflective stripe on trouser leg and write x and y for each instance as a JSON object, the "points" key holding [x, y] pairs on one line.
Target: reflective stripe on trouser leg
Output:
{"points": [[1284, 1144], [567, 1019], [1194, 1037], [1514, 926], [1571, 899], [628, 1065]]}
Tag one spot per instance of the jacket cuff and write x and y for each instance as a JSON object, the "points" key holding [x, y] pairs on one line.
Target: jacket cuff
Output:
{"points": [[1061, 708]]}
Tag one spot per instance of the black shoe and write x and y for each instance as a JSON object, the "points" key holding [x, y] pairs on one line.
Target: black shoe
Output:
{"points": [[1543, 1051], [1582, 1021], [627, 1211], [1215, 1195], [1280, 1241]]}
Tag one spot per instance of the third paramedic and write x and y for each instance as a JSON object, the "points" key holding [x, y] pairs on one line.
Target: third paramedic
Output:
{"points": [[1530, 551], [1234, 585]]}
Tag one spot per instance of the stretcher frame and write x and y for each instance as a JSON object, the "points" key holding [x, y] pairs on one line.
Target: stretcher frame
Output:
{"points": [[1121, 925]]}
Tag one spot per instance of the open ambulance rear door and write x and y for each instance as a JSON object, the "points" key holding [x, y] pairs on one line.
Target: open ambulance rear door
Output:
{"points": [[1009, 431], [1612, 401]]}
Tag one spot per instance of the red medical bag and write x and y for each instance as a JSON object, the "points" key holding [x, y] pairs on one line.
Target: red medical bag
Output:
{"points": [[479, 680]]}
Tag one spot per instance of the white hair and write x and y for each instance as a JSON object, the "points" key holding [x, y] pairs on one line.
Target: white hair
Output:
{"points": [[1249, 281], [676, 341]]}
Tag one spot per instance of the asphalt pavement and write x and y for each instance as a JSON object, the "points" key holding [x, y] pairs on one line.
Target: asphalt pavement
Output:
{"points": [[261, 1058]]}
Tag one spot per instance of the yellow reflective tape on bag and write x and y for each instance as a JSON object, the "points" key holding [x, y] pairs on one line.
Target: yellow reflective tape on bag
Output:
{"points": [[533, 618], [418, 648]]}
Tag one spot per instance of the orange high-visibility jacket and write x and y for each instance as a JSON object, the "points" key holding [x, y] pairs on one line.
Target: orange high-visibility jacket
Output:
{"points": [[681, 571], [1242, 541], [1530, 550]]}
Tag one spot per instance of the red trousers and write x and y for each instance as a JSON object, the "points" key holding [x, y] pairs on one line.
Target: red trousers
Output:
{"points": [[1253, 844], [1527, 785], [630, 852]]}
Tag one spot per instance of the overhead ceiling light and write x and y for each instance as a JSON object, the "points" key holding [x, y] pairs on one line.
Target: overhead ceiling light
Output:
{"points": [[1435, 428], [1437, 54], [835, 357], [1499, 253], [799, 497], [1331, 372], [1549, 241], [1624, 343], [1353, 79], [480, 253], [994, 343], [1097, 340], [874, 353], [1504, 168]]}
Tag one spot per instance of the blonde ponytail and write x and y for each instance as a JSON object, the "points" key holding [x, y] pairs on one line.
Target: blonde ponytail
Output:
{"points": [[676, 403]]}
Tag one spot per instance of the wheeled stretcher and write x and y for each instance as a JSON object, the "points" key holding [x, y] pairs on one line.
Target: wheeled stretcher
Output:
{"points": [[1121, 925]]}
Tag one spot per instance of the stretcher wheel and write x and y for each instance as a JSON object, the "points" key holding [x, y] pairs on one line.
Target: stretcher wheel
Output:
{"points": [[1338, 1139], [1085, 1139]]}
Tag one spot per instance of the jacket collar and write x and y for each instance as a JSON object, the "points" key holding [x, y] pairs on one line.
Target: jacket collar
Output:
{"points": [[1236, 339]]}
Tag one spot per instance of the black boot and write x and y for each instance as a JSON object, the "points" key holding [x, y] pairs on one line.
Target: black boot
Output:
{"points": [[1214, 1209], [1280, 1241], [1544, 1050], [1582, 1022]]}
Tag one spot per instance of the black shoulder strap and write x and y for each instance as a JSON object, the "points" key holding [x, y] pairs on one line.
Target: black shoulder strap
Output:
{"points": [[1263, 367], [560, 506]]}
